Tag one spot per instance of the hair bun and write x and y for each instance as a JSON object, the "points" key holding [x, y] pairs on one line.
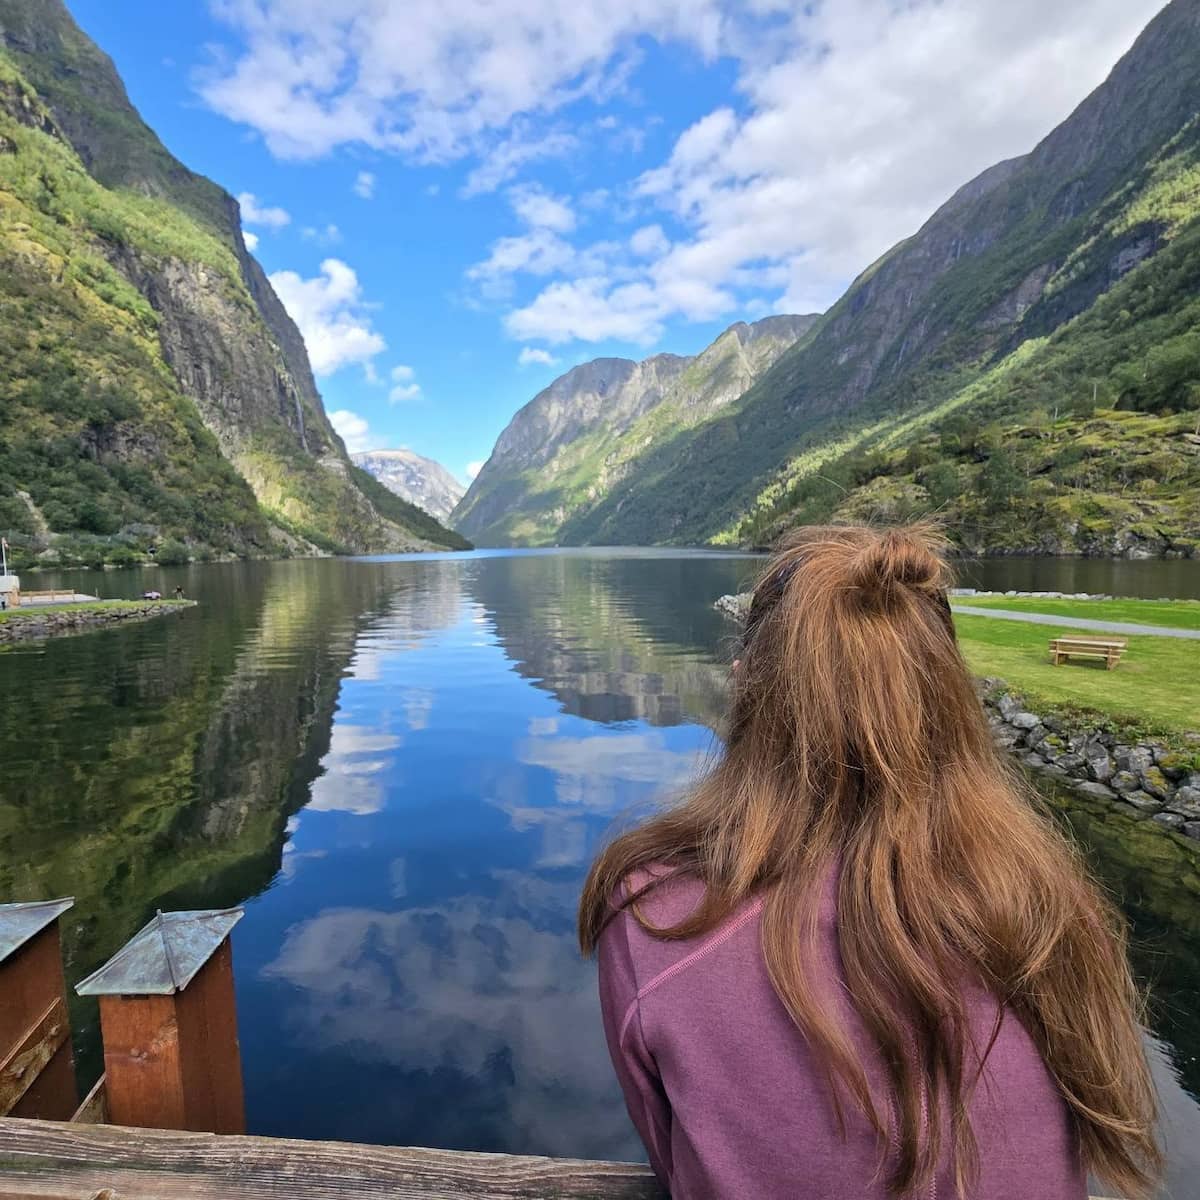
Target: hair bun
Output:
{"points": [[911, 557]]}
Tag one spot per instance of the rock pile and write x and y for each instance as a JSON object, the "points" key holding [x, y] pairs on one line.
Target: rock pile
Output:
{"points": [[1147, 779]]}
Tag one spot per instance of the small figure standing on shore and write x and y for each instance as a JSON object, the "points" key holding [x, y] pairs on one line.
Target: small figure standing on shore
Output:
{"points": [[178, 591], [859, 961]]}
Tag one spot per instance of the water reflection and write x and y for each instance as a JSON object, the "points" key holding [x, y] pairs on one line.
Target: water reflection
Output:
{"points": [[623, 639], [1156, 879], [406, 766], [157, 765], [420, 962]]}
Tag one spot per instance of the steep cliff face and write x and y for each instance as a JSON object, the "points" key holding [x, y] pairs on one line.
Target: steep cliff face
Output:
{"points": [[419, 480], [563, 452], [103, 227], [1015, 255]]}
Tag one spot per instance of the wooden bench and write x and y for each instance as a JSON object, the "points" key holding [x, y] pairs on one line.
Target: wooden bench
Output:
{"points": [[1109, 649]]}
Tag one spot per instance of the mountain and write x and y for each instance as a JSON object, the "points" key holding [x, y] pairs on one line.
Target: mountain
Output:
{"points": [[1049, 291], [420, 481], [152, 385], [575, 444], [1026, 365]]}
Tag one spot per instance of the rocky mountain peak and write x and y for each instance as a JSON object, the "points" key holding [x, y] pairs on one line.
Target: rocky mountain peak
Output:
{"points": [[590, 420], [419, 480]]}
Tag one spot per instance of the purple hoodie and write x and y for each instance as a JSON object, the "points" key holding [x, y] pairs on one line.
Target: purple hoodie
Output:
{"points": [[732, 1104]]}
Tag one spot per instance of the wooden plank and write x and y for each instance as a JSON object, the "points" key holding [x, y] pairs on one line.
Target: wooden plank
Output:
{"points": [[94, 1108], [1106, 643], [30, 980], [37, 1076], [31, 1055], [142, 1061], [50, 1160], [210, 1057], [52, 1091]]}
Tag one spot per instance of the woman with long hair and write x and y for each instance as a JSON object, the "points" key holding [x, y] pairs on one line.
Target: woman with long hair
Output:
{"points": [[858, 960]]}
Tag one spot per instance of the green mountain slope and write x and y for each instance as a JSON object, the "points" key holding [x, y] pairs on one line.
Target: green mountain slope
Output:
{"points": [[1087, 441], [956, 317], [574, 445], [152, 384]]}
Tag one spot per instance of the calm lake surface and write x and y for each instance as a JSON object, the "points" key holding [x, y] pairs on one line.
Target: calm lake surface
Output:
{"points": [[402, 767]]}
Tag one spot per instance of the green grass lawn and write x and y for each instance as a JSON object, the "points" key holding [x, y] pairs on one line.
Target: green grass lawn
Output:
{"points": [[1177, 614], [1156, 686], [32, 611]]}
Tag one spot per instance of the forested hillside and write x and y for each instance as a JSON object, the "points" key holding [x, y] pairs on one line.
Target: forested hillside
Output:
{"points": [[154, 391]]}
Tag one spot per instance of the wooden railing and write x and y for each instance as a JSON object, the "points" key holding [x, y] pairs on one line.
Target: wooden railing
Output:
{"points": [[52, 594], [80, 1162]]}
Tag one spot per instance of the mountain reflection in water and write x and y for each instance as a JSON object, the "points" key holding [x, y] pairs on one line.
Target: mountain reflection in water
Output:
{"points": [[405, 766]]}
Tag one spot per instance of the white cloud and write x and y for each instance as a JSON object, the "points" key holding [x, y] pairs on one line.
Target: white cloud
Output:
{"points": [[590, 310], [332, 316], [330, 235], [403, 987], [473, 468], [503, 160], [649, 242], [404, 384], [354, 431], [251, 240], [538, 252], [432, 79], [254, 213], [530, 355], [595, 772], [847, 147], [350, 779], [854, 120], [364, 185], [540, 210]]}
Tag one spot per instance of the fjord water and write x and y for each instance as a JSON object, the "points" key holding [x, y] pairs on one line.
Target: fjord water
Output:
{"points": [[402, 767]]}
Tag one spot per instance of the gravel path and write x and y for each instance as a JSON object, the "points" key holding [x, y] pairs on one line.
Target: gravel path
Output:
{"points": [[1029, 618]]}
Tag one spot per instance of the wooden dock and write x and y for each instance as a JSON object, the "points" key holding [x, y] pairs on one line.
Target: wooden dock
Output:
{"points": [[55, 1161]]}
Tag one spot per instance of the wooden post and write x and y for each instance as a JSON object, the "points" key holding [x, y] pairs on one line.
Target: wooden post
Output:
{"points": [[169, 1024], [37, 1068]]}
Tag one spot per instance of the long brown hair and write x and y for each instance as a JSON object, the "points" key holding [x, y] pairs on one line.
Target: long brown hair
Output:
{"points": [[856, 738]]}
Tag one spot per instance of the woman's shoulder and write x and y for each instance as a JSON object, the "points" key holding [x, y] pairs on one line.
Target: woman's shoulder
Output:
{"points": [[663, 898], [663, 895]]}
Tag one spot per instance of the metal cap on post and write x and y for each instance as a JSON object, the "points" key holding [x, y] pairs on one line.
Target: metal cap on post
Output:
{"points": [[37, 1068], [167, 1016]]}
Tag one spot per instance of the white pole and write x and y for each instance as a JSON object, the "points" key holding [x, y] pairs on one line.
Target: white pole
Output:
{"points": [[4, 553]]}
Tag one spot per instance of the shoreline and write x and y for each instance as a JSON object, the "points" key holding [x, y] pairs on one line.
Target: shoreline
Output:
{"points": [[37, 622]]}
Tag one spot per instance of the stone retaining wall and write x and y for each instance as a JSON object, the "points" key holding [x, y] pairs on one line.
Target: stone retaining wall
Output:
{"points": [[33, 623], [1145, 779]]}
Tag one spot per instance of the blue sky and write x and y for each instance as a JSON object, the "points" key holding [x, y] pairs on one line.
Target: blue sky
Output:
{"points": [[459, 199]]}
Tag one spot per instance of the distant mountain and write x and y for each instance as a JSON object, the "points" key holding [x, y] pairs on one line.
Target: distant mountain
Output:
{"points": [[419, 480], [1026, 365], [152, 384], [574, 444]]}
